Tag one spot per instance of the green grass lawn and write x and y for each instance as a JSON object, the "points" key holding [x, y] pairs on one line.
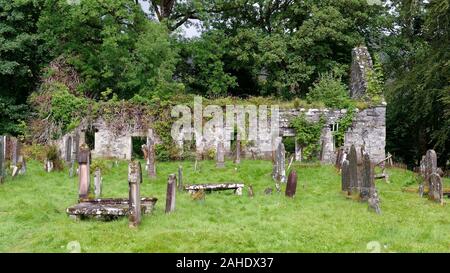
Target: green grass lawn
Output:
{"points": [[318, 219]]}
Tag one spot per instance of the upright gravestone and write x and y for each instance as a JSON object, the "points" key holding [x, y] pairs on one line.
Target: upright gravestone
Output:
{"points": [[98, 183], [281, 158], [238, 152], [436, 191], [171, 193], [430, 167], [134, 181], [14, 151], [353, 169], [151, 161], [75, 149], [367, 181], [180, 178], [291, 186], [2, 159], [220, 155], [84, 176], [345, 176], [68, 149]]}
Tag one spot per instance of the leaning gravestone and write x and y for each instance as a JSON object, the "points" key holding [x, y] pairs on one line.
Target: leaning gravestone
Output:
{"points": [[2, 159], [134, 181], [291, 186], [97, 183], [353, 169], [367, 181], [220, 155], [436, 191], [345, 176], [171, 193], [84, 176]]}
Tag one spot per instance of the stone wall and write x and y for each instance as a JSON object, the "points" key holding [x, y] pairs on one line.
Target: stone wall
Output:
{"points": [[368, 129]]}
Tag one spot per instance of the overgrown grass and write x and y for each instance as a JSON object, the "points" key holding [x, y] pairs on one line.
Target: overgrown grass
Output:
{"points": [[318, 219]]}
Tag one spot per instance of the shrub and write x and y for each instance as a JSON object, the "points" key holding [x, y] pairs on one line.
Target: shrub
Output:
{"points": [[329, 90]]}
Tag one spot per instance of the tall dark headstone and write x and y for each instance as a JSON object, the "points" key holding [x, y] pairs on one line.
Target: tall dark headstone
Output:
{"points": [[345, 176], [134, 181], [367, 182], [291, 186], [84, 175], [430, 166], [68, 149], [353, 169], [171, 193]]}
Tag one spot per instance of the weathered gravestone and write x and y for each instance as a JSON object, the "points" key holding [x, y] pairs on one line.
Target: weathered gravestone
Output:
{"points": [[436, 191], [353, 169], [75, 148], [171, 193], [68, 149], [84, 175], [98, 183], [291, 186], [2, 159], [180, 178], [238, 152], [279, 167], [15, 151], [345, 176], [220, 155], [367, 181], [151, 157], [430, 166], [134, 181]]}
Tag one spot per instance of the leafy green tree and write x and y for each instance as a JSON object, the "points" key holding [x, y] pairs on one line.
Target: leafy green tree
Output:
{"points": [[418, 94], [112, 45], [20, 60], [331, 91]]}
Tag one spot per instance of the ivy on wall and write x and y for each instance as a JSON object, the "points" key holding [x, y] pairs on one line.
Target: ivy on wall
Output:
{"points": [[308, 134], [344, 123]]}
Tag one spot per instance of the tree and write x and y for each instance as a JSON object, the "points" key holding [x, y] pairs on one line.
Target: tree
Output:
{"points": [[112, 45], [20, 60], [418, 95]]}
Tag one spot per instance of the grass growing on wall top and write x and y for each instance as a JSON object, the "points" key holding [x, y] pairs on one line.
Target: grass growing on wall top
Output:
{"points": [[318, 219]]}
